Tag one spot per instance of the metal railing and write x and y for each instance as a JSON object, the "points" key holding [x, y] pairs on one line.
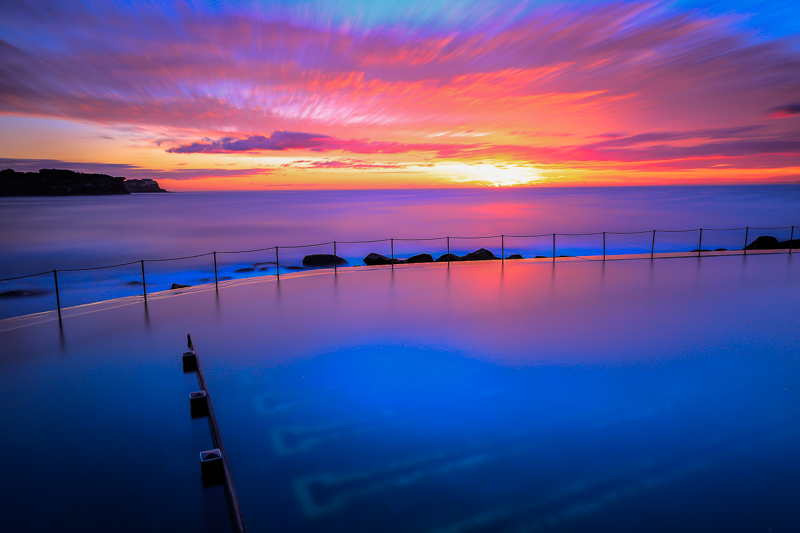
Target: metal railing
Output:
{"points": [[502, 238]]}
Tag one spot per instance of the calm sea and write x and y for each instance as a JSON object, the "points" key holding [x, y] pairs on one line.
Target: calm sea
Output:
{"points": [[42, 234]]}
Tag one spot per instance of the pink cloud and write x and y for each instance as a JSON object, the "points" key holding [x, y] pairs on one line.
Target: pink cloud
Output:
{"points": [[357, 164]]}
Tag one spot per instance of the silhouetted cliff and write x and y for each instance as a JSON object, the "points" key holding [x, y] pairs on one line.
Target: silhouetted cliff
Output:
{"points": [[56, 182]]}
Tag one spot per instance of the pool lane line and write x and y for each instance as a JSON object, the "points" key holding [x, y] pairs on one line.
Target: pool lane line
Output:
{"points": [[237, 520]]}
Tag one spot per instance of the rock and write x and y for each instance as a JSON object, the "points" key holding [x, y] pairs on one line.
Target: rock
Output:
{"points": [[262, 269], [223, 278], [142, 185], [720, 249], [481, 254], [541, 257], [448, 257], [178, 286], [420, 258], [204, 279], [22, 293], [264, 263], [323, 260], [294, 268], [794, 245], [134, 283], [240, 270], [765, 242], [378, 259], [515, 256]]}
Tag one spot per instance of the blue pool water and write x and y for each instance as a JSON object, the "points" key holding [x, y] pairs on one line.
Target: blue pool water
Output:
{"points": [[582, 396]]}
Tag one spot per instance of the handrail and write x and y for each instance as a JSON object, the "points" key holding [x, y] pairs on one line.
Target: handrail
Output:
{"points": [[502, 237], [396, 239]]}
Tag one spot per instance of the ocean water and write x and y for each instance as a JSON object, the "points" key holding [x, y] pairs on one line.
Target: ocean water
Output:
{"points": [[43, 234], [611, 397]]}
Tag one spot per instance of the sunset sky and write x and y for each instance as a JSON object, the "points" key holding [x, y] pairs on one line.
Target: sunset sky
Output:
{"points": [[375, 94]]}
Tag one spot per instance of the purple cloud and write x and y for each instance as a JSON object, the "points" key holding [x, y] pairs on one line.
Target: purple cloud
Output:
{"points": [[292, 140], [279, 140], [789, 110]]}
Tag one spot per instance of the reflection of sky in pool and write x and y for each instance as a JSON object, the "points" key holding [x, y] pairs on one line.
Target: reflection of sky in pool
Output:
{"points": [[626, 396]]}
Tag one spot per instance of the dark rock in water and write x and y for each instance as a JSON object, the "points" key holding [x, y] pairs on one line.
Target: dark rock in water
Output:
{"points": [[448, 257], [566, 256], [178, 286], [240, 270], [515, 256], [378, 259], [134, 283], [765, 242], [768, 242], [142, 185], [420, 258], [204, 279], [481, 254], [264, 263], [323, 260], [541, 257], [225, 277], [22, 293], [262, 269], [294, 268], [720, 249]]}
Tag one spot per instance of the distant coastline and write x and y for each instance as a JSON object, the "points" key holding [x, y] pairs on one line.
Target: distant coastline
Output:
{"points": [[57, 182]]}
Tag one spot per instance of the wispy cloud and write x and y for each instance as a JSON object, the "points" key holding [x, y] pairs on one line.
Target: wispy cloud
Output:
{"points": [[523, 84], [130, 171]]}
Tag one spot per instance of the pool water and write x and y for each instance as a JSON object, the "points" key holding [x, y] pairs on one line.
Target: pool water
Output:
{"points": [[581, 396]]}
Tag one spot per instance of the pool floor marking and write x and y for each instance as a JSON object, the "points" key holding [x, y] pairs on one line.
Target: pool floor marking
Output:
{"points": [[587, 496], [395, 474]]}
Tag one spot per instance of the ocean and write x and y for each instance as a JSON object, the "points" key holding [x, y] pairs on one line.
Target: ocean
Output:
{"points": [[43, 234]]}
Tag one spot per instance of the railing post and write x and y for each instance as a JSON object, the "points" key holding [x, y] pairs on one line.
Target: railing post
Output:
{"points": [[791, 238], [216, 281], [554, 247], [700, 244], [653, 246], [448, 250], [392, 242], [277, 263], [746, 232], [604, 246], [334, 257], [503, 247], [58, 298], [144, 283]]}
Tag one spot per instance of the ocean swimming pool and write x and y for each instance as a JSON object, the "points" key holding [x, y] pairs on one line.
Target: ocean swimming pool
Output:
{"points": [[525, 396]]}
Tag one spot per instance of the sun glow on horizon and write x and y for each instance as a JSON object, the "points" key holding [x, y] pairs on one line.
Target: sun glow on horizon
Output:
{"points": [[487, 174]]}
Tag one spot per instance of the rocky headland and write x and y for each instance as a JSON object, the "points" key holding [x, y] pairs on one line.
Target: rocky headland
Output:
{"points": [[57, 182]]}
